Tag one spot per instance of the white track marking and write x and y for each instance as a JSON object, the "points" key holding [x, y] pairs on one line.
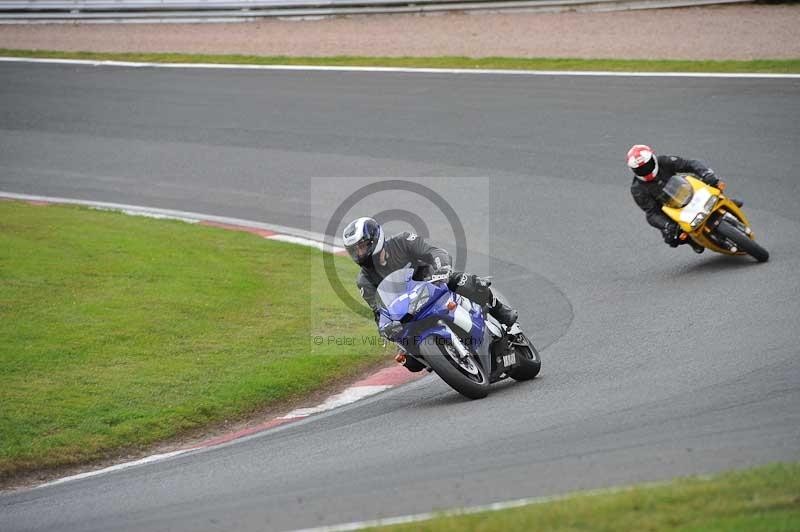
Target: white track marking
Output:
{"points": [[168, 213], [133, 64], [350, 395], [307, 242], [126, 465], [503, 505], [149, 215]]}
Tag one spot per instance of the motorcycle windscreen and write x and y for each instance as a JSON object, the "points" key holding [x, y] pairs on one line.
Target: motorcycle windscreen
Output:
{"points": [[393, 293], [677, 192]]}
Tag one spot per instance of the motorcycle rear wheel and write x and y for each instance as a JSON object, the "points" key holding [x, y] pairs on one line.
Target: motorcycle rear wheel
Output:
{"points": [[439, 355], [742, 241], [529, 362]]}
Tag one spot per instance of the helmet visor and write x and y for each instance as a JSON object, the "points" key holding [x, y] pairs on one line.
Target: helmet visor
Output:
{"points": [[364, 248], [646, 169], [361, 250]]}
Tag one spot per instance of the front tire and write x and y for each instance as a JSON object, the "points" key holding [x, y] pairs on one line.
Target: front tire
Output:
{"points": [[742, 241], [439, 355]]}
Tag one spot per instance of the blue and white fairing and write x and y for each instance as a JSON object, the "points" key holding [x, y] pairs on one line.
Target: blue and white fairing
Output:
{"points": [[422, 308]]}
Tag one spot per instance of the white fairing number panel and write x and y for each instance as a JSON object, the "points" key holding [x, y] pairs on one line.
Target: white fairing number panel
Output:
{"points": [[462, 319], [696, 206]]}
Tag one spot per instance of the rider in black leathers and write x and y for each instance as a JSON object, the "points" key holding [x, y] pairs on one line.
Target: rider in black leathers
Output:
{"points": [[650, 174], [379, 256]]}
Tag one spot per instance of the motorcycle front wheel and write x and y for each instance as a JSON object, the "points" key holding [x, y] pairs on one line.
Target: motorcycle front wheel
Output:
{"points": [[743, 242], [465, 376]]}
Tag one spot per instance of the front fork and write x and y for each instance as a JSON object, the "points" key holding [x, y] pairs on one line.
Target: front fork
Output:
{"points": [[737, 222], [481, 352], [733, 220]]}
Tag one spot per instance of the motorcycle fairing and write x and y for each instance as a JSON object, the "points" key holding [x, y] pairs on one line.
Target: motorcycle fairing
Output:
{"points": [[434, 318], [684, 216]]}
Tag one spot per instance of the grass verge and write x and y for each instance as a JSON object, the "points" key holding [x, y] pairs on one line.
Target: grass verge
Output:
{"points": [[765, 498], [509, 63], [119, 331]]}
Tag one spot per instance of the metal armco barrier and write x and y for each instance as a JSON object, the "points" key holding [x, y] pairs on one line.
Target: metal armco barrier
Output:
{"points": [[226, 10]]}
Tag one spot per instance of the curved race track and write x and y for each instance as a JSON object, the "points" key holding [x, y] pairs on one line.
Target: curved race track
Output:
{"points": [[658, 363]]}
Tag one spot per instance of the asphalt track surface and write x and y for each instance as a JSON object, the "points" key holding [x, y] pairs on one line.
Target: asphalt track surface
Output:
{"points": [[657, 362]]}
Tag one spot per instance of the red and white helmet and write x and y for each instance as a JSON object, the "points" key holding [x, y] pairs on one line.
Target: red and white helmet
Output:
{"points": [[643, 161]]}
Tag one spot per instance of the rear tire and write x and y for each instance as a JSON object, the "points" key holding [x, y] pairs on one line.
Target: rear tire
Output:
{"points": [[742, 241], [437, 356], [529, 362]]}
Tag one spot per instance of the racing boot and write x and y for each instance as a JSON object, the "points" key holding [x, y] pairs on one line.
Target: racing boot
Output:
{"points": [[479, 291], [409, 363], [695, 246], [503, 313]]}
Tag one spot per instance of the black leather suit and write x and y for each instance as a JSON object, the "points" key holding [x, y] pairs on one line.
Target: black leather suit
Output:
{"points": [[647, 194], [409, 250]]}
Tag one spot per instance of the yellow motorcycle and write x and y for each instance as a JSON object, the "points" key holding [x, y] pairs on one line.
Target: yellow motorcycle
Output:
{"points": [[710, 218]]}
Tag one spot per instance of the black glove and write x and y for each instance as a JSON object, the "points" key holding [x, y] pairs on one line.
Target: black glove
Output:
{"points": [[671, 233], [710, 178], [442, 273], [429, 272]]}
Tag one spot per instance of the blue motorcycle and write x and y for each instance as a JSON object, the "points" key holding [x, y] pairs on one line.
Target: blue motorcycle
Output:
{"points": [[451, 335]]}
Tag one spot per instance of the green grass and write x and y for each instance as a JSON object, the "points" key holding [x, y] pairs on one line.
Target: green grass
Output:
{"points": [[512, 63], [762, 499], [119, 331]]}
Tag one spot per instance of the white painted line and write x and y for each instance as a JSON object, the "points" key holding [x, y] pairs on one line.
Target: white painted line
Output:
{"points": [[561, 73], [350, 395], [148, 215], [118, 467], [307, 242], [187, 215], [503, 505]]}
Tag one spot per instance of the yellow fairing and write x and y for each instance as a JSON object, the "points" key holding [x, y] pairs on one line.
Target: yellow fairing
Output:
{"points": [[685, 215]]}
